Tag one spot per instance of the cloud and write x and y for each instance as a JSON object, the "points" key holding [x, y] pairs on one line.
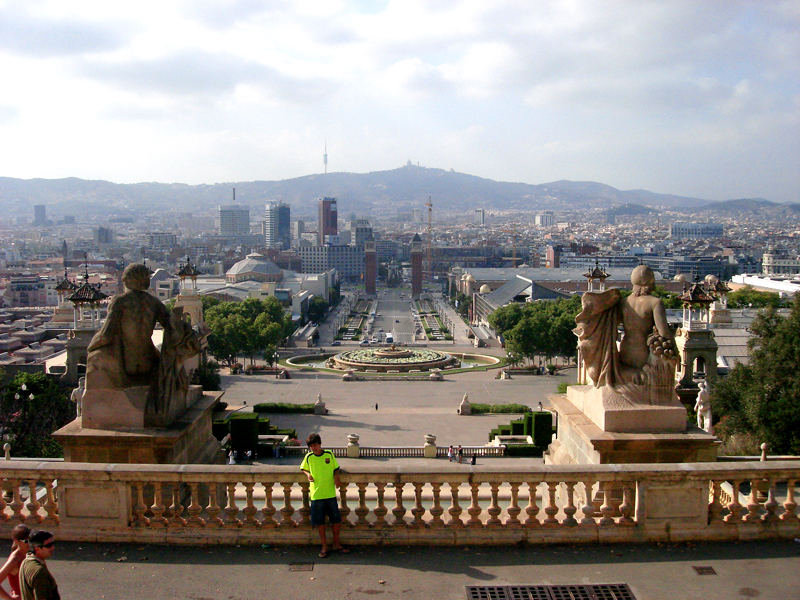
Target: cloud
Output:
{"points": [[40, 36]]}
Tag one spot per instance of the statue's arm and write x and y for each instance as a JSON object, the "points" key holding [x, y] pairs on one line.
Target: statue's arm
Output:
{"points": [[162, 314], [106, 334], [660, 321]]}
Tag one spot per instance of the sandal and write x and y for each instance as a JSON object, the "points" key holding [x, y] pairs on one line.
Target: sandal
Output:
{"points": [[342, 549], [323, 554]]}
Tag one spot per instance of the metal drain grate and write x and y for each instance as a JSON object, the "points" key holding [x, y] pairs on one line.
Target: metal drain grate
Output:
{"points": [[605, 591], [705, 570], [309, 566]]}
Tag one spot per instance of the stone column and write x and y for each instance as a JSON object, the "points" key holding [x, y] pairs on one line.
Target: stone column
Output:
{"points": [[353, 449]]}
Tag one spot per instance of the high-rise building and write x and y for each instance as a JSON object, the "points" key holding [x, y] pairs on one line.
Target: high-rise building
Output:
{"points": [[328, 220], [370, 266], [234, 219], [694, 231], [361, 231], [544, 219], [104, 235], [39, 214], [480, 216], [416, 266], [277, 233]]}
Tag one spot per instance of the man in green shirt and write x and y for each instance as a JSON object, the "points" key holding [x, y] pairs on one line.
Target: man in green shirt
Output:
{"points": [[35, 580], [322, 470]]}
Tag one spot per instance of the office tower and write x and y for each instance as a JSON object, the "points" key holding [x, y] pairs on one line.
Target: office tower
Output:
{"points": [[361, 231], [327, 220], [234, 219], [277, 233], [544, 219], [370, 266], [39, 214], [416, 266], [103, 235], [480, 216]]}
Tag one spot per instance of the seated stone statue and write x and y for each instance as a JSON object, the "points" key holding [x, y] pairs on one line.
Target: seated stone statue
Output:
{"points": [[642, 369], [122, 356]]}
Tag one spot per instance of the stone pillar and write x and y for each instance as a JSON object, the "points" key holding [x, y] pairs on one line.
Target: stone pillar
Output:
{"points": [[429, 449], [353, 449]]}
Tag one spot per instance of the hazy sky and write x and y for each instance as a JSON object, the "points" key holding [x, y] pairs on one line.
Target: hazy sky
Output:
{"points": [[695, 98]]}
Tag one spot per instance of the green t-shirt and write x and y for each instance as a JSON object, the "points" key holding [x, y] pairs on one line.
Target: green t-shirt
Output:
{"points": [[321, 468]]}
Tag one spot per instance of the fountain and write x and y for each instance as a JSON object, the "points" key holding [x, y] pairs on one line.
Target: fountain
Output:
{"points": [[392, 359]]}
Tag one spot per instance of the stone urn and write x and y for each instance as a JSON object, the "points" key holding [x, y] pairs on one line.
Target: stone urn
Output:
{"points": [[353, 449], [429, 449], [465, 408]]}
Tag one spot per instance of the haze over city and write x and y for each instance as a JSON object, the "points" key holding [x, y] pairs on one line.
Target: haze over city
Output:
{"points": [[696, 99]]}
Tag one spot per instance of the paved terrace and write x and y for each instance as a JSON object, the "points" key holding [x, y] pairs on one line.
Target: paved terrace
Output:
{"points": [[765, 570]]}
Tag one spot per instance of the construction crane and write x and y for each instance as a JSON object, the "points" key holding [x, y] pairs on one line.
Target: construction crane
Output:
{"points": [[428, 253], [514, 237]]}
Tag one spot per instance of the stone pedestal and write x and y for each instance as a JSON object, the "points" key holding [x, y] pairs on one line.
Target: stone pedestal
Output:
{"points": [[187, 440], [581, 441]]}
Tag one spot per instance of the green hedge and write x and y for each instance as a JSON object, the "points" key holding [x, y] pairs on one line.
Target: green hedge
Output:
{"points": [[220, 428], [542, 428], [524, 450], [283, 407], [479, 409], [562, 387]]}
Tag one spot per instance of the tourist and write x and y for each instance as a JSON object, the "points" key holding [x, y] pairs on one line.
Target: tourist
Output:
{"points": [[474, 459], [322, 471], [231, 458], [10, 570], [35, 580], [460, 454], [450, 453]]}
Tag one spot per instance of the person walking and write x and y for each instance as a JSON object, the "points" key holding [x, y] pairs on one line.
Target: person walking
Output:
{"points": [[460, 454], [10, 570], [450, 452], [322, 471], [35, 580]]}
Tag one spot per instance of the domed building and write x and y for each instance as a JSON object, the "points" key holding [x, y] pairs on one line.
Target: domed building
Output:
{"points": [[255, 267]]}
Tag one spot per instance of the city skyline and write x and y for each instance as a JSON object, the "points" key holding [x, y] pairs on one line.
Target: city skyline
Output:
{"points": [[679, 98]]}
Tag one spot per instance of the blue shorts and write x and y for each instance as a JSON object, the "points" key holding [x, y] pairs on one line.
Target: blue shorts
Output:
{"points": [[321, 508]]}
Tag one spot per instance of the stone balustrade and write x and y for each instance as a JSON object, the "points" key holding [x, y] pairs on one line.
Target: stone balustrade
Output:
{"points": [[199, 504]]}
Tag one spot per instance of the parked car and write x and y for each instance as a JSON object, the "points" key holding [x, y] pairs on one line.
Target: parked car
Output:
{"points": [[336, 343]]}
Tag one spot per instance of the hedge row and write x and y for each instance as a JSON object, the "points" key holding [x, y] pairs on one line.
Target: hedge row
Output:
{"points": [[479, 409], [283, 407]]}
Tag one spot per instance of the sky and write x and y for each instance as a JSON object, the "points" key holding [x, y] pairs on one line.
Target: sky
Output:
{"points": [[683, 97]]}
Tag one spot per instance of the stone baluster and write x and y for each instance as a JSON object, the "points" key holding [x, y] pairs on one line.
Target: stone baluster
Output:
{"points": [[250, 509], [176, 508], [399, 511], [771, 504], [158, 509], [753, 507], [734, 508], [474, 510], [607, 508], [33, 505], [380, 510], [231, 509], [50, 504], [139, 507], [213, 509], [437, 510], [288, 510], [361, 510], [532, 509], [455, 509], [494, 507], [588, 508], [418, 511], [627, 506], [570, 509], [551, 510], [194, 510], [344, 509], [715, 506], [3, 516], [16, 503], [513, 508], [268, 512], [305, 510], [789, 506]]}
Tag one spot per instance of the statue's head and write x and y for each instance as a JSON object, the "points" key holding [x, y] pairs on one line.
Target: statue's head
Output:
{"points": [[136, 277], [643, 280]]}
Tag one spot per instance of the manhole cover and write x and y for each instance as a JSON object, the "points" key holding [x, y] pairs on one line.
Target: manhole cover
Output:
{"points": [[705, 570], [605, 591], [301, 566]]}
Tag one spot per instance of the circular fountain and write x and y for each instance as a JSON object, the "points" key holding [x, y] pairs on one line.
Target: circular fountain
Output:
{"points": [[392, 358]]}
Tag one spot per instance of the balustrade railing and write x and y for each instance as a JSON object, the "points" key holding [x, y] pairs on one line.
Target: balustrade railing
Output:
{"points": [[269, 504], [400, 451]]}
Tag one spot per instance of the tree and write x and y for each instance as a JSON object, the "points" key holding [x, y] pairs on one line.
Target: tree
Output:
{"points": [[316, 309], [748, 297], [32, 407], [762, 398], [668, 299]]}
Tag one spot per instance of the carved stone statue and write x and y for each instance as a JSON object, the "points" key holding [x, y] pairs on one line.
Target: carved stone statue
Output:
{"points": [[465, 408], [77, 394], [703, 408], [642, 369], [124, 367], [319, 406]]}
